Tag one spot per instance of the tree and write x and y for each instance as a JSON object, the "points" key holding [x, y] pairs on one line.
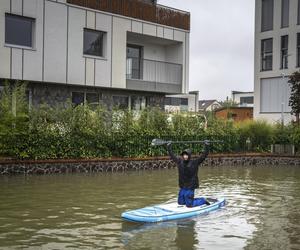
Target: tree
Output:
{"points": [[294, 101]]}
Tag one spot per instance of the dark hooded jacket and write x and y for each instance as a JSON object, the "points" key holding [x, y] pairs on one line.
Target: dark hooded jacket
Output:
{"points": [[188, 170]]}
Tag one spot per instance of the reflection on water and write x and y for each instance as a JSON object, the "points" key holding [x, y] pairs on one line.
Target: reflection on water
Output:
{"points": [[83, 211]]}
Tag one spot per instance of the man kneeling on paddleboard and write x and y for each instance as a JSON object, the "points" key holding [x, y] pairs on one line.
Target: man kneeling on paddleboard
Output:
{"points": [[188, 175]]}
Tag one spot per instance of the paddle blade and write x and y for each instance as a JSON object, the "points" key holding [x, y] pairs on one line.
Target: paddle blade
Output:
{"points": [[158, 142]]}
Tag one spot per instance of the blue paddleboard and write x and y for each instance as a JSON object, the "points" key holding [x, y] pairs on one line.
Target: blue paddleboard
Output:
{"points": [[170, 211]]}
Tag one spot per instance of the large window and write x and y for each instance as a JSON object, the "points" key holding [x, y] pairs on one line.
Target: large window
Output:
{"points": [[247, 100], [298, 49], [93, 41], [266, 54], [298, 14], [89, 98], [284, 52], [267, 15], [19, 30], [77, 98], [121, 102], [285, 9]]}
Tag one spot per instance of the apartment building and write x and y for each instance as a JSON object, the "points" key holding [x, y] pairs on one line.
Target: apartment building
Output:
{"points": [[277, 56], [125, 53]]}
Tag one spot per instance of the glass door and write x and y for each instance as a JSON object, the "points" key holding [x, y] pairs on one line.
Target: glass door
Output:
{"points": [[134, 62]]}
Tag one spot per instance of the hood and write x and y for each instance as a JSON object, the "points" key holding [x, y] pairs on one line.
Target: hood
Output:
{"points": [[188, 152]]}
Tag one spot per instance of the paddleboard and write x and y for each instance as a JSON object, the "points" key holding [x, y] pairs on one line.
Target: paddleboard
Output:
{"points": [[171, 211]]}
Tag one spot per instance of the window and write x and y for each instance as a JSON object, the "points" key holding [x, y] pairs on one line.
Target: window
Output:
{"points": [[285, 9], [266, 54], [298, 14], [284, 52], [173, 101], [247, 100], [93, 42], [92, 98], [184, 101], [77, 98], [19, 30], [267, 15], [121, 102], [134, 62], [138, 102], [298, 49]]}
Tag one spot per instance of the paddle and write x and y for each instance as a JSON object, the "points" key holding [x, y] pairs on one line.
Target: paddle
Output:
{"points": [[160, 142]]}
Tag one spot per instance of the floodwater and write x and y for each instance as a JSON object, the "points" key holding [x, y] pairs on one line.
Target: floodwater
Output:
{"points": [[83, 211]]}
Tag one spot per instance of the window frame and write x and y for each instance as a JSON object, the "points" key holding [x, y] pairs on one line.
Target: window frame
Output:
{"points": [[284, 52], [33, 25], [263, 29], [103, 47], [283, 24], [298, 50], [265, 54], [120, 106]]}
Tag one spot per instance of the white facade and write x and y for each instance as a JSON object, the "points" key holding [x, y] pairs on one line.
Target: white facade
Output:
{"points": [[271, 90], [57, 52]]}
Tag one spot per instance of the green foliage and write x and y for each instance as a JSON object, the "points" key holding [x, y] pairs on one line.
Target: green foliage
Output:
{"points": [[91, 132], [258, 133], [294, 102]]}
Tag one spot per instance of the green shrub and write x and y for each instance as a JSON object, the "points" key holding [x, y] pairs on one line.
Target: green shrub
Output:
{"points": [[259, 133], [87, 132]]}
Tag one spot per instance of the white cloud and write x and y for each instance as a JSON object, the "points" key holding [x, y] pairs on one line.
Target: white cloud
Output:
{"points": [[222, 45]]}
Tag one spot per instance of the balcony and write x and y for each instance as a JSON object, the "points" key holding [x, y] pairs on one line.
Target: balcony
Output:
{"points": [[141, 10], [156, 76]]}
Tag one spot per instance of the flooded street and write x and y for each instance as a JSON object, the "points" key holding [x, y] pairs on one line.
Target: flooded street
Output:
{"points": [[83, 211]]}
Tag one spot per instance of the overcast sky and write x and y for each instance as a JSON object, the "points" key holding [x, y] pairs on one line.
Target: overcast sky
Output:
{"points": [[222, 45]]}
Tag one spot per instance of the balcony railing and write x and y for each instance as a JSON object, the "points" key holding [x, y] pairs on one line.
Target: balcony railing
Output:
{"points": [[153, 71], [141, 10]]}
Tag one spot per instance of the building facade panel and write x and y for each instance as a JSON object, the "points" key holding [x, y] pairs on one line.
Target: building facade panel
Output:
{"points": [[168, 33], [149, 29], [137, 27], [76, 61], [119, 34], [33, 59], [91, 19], [5, 52], [16, 63], [16, 7], [55, 42]]}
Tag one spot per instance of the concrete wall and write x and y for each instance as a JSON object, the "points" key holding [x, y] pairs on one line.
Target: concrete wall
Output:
{"points": [[57, 54], [276, 34]]}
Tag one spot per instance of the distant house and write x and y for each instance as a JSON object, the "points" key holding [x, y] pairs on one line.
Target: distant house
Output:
{"points": [[236, 113], [208, 105], [243, 99], [183, 102]]}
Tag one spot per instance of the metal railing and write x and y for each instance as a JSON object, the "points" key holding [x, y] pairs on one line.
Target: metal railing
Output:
{"points": [[153, 71], [141, 10]]}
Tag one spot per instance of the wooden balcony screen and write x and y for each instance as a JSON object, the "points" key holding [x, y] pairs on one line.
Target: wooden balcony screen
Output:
{"points": [[137, 9]]}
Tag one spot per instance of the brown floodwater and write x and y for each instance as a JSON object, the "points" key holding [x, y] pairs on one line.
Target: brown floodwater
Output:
{"points": [[83, 211]]}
